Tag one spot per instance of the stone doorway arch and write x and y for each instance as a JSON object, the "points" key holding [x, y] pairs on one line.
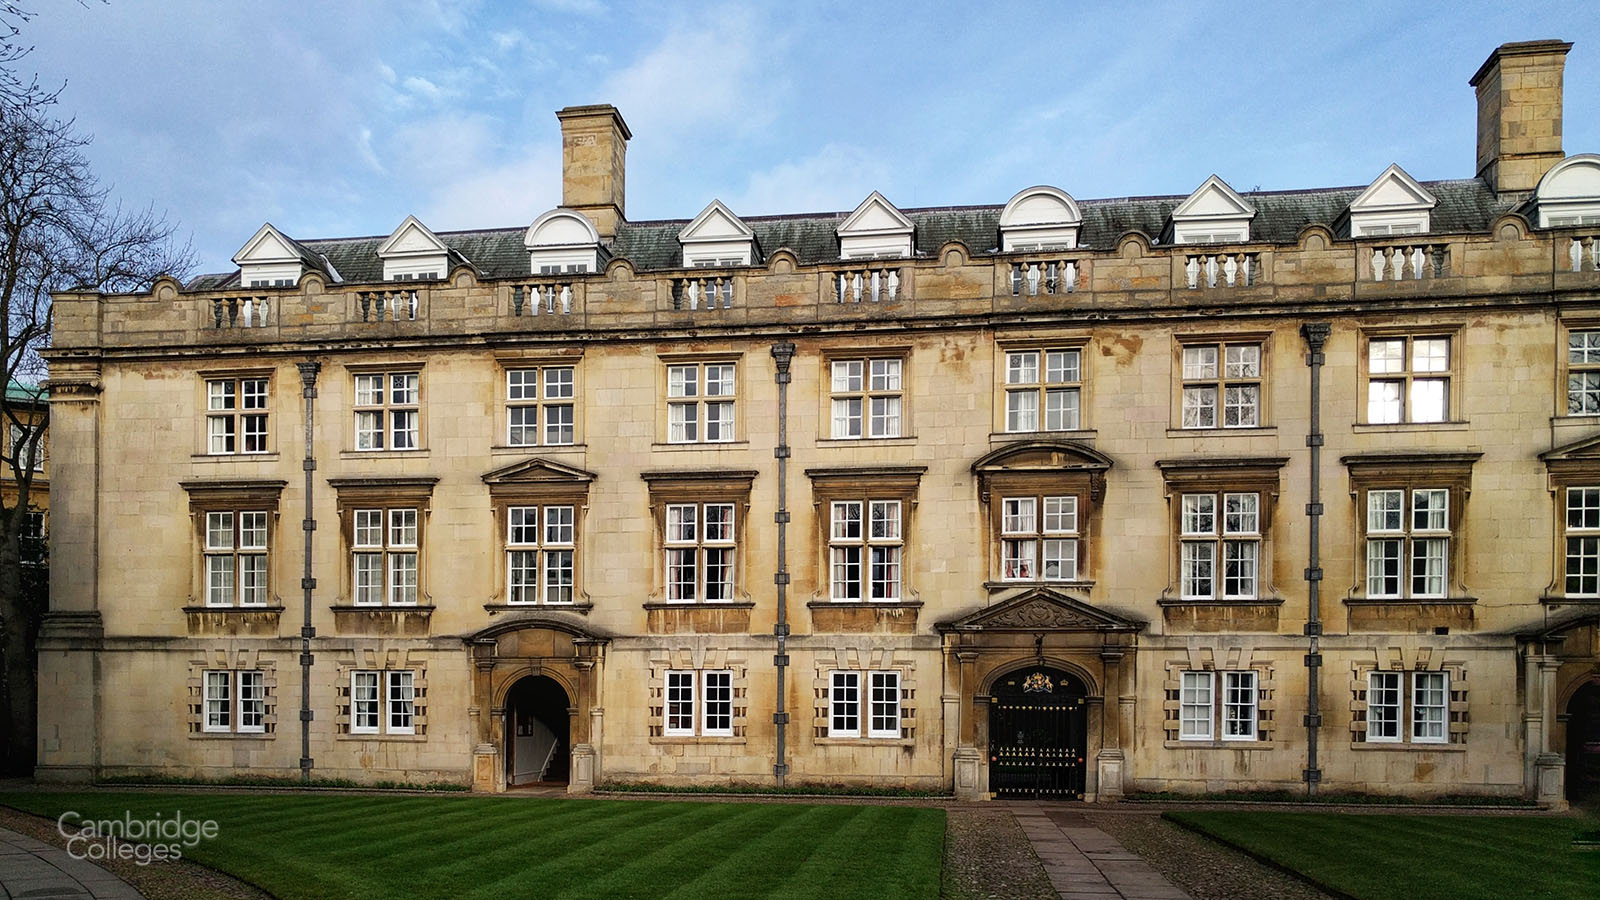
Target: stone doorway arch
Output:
{"points": [[538, 729], [1583, 744], [519, 653]]}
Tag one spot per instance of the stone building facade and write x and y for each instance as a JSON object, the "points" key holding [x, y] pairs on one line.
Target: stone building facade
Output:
{"points": [[996, 500]]}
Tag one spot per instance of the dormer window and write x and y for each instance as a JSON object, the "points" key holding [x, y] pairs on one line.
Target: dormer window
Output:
{"points": [[717, 238], [1569, 194], [1213, 214], [875, 230], [1394, 203], [563, 241], [413, 253], [1040, 218], [271, 259]]}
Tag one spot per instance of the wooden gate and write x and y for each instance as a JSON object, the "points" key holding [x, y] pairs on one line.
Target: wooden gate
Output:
{"points": [[1038, 735]]}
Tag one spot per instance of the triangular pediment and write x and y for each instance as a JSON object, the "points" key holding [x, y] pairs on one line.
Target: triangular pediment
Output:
{"points": [[1394, 190], [1213, 199], [875, 215], [1586, 450], [715, 223], [538, 471], [1042, 609], [269, 245], [412, 238]]}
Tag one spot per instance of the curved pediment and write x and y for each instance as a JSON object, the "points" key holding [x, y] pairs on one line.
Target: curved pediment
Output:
{"points": [[569, 623], [1042, 456]]}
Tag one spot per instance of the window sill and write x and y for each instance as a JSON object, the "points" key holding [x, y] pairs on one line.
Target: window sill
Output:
{"points": [[411, 621], [1588, 421], [523, 449], [1252, 431], [251, 621], [1220, 745], [1563, 600], [581, 609], [1379, 428], [1081, 435], [696, 739], [1407, 747], [863, 742], [692, 604], [1205, 601], [698, 618], [699, 445], [1412, 601], [228, 457], [382, 454], [384, 738], [1080, 586], [232, 736], [903, 440]]}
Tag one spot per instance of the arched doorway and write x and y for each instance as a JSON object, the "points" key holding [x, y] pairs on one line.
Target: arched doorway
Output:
{"points": [[538, 732], [1583, 745], [1038, 735]]}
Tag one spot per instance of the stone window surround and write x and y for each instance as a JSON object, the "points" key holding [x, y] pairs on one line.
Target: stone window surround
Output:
{"points": [[203, 404], [1408, 471], [232, 661], [1006, 345], [1450, 331], [381, 493], [234, 495], [697, 661], [508, 360], [1221, 475], [699, 487], [865, 354], [735, 358], [1222, 340], [1232, 660], [398, 367]]}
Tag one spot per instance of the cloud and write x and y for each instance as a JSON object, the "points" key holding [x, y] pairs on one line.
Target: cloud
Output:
{"points": [[698, 76], [573, 7], [837, 177], [512, 193]]}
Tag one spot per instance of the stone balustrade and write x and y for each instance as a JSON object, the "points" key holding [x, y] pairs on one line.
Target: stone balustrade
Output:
{"points": [[1406, 262], [1036, 277], [1212, 269], [1583, 253], [548, 298], [874, 284], [1321, 271], [388, 306], [240, 312], [707, 291]]}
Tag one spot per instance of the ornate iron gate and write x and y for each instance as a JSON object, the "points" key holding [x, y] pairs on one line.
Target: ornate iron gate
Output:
{"points": [[1038, 736]]}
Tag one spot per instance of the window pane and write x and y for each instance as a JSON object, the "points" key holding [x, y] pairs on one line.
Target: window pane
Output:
{"points": [[718, 703], [1243, 361], [1199, 514], [1583, 393], [1194, 706], [255, 433], [1386, 356], [1383, 706], [845, 573], [403, 578], [219, 531], [558, 427], [847, 375], [683, 381], [1240, 566], [885, 700], [403, 429], [719, 380], [1383, 402], [1428, 509], [364, 701], [845, 702], [369, 431], [719, 573], [846, 521], [1061, 409], [219, 701], [403, 389], [558, 576], [719, 522], [1239, 706], [523, 426], [1199, 362], [219, 580], [683, 423], [1430, 355], [1061, 515], [885, 573], [522, 525], [522, 384], [558, 524], [402, 702], [219, 435], [885, 520], [719, 422], [1240, 405], [681, 522], [1016, 560], [1022, 411], [885, 417], [1428, 706], [847, 417], [885, 375], [1583, 347], [558, 383], [1022, 368], [1583, 566], [1428, 567], [1017, 515], [252, 701], [402, 528], [1384, 510], [367, 572], [1198, 569], [220, 394], [679, 710], [1383, 568], [253, 579], [681, 585], [1583, 507], [1199, 407], [1062, 367], [522, 576], [1240, 514], [1060, 560], [1428, 400]]}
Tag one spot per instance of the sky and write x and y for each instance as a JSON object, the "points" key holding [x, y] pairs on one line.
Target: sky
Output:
{"points": [[339, 119]]}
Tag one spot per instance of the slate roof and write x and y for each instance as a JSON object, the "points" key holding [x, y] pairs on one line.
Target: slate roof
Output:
{"points": [[1465, 205]]}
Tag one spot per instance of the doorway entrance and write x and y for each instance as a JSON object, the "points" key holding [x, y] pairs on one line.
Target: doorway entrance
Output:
{"points": [[538, 732], [1038, 735], [1583, 745]]}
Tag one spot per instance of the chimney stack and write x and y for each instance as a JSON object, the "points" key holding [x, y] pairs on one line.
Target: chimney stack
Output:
{"points": [[1519, 113], [594, 148]]}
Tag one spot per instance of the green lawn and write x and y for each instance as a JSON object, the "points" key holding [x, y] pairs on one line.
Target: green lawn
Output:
{"points": [[327, 847], [1418, 857]]}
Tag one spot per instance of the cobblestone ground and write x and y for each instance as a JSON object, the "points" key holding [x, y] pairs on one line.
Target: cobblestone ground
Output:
{"points": [[180, 880], [1205, 869], [987, 857]]}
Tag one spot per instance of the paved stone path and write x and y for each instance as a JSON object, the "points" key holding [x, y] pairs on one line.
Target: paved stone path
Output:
{"points": [[1085, 863], [35, 870]]}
